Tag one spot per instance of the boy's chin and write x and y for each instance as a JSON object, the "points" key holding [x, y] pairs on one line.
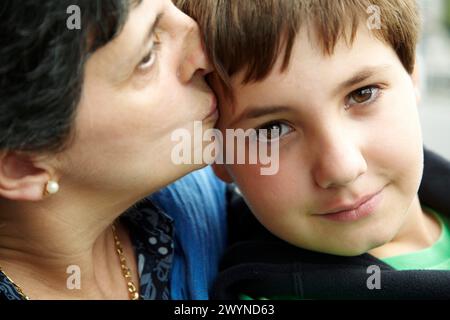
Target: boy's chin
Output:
{"points": [[357, 243], [346, 252], [349, 251]]}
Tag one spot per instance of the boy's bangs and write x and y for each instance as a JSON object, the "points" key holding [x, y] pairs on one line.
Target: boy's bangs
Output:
{"points": [[248, 36]]}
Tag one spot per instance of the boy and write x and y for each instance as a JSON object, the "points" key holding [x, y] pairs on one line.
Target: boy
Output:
{"points": [[335, 80]]}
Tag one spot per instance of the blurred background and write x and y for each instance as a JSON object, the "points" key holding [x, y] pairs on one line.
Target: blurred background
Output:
{"points": [[434, 64]]}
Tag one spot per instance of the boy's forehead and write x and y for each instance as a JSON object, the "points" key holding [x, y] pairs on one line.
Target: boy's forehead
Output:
{"points": [[312, 73], [256, 31]]}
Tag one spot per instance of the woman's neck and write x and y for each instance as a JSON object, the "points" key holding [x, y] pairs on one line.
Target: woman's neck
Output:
{"points": [[41, 243]]}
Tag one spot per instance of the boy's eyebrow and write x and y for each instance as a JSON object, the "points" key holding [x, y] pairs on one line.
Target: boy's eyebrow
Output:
{"points": [[253, 112], [359, 77]]}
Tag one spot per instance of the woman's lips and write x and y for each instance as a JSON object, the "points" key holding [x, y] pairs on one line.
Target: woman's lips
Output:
{"points": [[214, 112], [365, 207]]}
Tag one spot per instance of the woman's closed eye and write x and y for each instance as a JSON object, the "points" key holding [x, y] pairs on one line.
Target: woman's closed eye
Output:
{"points": [[273, 130], [363, 96]]}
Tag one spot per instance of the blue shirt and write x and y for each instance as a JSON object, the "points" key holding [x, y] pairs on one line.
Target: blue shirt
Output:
{"points": [[197, 205]]}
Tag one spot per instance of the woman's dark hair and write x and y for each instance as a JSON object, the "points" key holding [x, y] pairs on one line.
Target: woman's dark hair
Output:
{"points": [[42, 63]]}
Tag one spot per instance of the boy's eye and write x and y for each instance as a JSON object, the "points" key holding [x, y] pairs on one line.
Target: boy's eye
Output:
{"points": [[272, 131], [363, 95]]}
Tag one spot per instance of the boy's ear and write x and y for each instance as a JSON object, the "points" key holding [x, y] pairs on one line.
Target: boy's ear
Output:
{"points": [[221, 171], [22, 176]]}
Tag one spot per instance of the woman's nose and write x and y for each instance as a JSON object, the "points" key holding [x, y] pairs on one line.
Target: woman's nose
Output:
{"points": [[193, 59]]}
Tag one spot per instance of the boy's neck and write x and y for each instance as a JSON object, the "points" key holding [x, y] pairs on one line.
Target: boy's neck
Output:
{"points": [[420, 231]]}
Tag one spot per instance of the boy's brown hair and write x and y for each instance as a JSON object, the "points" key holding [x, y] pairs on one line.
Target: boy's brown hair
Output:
{"points": [[249, 35]]}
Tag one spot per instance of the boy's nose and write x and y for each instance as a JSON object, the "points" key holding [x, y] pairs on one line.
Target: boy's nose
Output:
{"points": [[338, 163]]}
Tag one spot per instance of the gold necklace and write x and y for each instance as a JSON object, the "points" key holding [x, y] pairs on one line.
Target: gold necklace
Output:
{"points": [[132, 290], [18, 289]]}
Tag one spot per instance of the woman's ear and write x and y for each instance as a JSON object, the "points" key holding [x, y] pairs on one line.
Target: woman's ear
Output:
{"points": [[221, 171], [22, 176]]}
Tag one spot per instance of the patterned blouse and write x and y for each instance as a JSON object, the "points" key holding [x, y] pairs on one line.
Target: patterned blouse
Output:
{"points": [[151, 232]]}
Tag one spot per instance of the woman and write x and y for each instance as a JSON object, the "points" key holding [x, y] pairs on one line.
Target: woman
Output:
{"points": [[86, 117]]}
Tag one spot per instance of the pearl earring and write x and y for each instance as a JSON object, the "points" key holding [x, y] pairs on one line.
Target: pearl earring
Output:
{"points": [[52, 187]]}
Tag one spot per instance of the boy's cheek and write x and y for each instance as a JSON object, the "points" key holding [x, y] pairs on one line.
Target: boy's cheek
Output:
{"points": [[266, 194], [246, 176], [222, 172]]}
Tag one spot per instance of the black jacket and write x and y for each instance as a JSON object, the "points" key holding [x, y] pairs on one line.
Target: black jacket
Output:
{"points": [[259, 264]]}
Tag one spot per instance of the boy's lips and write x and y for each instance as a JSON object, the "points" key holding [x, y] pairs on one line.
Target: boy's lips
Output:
{"points": [[364, 206]]}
